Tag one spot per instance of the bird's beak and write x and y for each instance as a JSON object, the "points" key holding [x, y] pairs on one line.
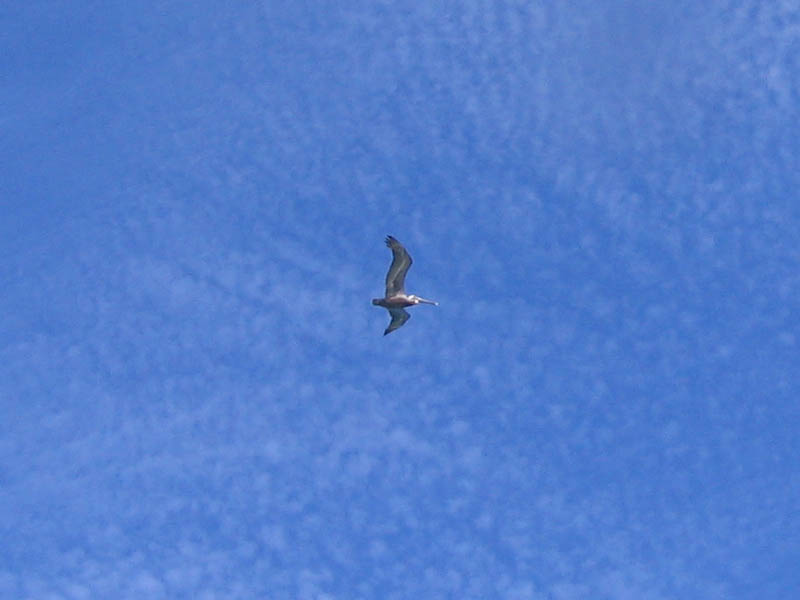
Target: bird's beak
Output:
{"points": [[428, 302]]}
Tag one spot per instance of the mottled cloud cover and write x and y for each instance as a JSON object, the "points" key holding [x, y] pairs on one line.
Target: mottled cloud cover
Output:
{"points": [[196, 399]]}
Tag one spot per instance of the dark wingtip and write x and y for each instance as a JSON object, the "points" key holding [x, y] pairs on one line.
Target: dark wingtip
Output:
{"points": [[390, 240]]}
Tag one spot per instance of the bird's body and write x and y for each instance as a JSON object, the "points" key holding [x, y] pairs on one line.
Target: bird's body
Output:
{"points": [[396, 300]]}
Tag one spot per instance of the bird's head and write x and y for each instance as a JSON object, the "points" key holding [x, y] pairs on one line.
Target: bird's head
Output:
{"points": [[418, 300]]}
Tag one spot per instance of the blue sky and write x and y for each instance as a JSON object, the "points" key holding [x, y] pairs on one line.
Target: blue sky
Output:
{"points": [[196, 397]]}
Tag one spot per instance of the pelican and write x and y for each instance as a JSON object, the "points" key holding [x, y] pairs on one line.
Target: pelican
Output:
{"points": [[396, 299]]}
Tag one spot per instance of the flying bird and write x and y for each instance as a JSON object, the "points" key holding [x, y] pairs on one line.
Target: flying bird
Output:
{"points": [[396, 299]]}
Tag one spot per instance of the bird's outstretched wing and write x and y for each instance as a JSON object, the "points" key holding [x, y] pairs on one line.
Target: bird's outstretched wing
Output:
{"points": [[396, 277], [399, 317]]}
